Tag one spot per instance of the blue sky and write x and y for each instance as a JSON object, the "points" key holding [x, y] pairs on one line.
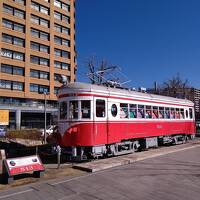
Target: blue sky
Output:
{"points": [[151, 40]]}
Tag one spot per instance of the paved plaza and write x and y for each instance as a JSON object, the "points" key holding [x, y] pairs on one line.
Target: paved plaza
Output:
{"points": [[171, 176]]}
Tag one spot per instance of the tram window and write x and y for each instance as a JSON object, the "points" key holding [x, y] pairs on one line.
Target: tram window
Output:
{"points": [[140, 113], [123, 110], [190, 112], [161, 112], [100, 108], [114, 110], [148, 112], [186, 113], [167, 113], [182, 113], [132, 110], [172, 113], [73, 109], [85, 109], [177, 113], [155, 112], [63, 110]]}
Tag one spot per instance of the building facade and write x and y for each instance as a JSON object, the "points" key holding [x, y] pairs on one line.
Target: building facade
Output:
{"points": [[37, 43], [190, 93]]}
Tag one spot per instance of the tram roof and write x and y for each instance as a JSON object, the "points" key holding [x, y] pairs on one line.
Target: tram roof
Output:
{"points": [[86, 87]]}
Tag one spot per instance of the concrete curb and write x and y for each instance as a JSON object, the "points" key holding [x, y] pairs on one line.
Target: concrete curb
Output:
{"points": [[103, 164]]}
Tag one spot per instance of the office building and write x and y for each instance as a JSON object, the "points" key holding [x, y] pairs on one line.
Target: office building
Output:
{"points": [[37, 42]]}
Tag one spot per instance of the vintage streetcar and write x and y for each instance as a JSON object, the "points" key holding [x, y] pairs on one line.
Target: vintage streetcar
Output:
{"points": [[96, 121]]}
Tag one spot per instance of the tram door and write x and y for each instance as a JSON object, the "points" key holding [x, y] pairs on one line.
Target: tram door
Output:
{"points": [[100, 120]]}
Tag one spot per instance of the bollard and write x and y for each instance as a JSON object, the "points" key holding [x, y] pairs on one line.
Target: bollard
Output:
{"points": [[2, 154], [58, 149], [36, 150]]}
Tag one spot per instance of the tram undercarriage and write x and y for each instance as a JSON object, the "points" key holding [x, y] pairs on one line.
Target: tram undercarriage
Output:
{"points": [[124, 147]]}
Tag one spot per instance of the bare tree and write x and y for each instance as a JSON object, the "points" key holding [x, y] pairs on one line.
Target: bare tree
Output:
{"points": [[175, 87]]}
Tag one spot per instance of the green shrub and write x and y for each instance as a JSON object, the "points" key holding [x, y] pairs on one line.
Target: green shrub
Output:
{"points": [[32, 134]]}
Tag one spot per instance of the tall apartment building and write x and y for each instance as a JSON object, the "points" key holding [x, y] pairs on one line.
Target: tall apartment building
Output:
{"points": [[37, 42]]}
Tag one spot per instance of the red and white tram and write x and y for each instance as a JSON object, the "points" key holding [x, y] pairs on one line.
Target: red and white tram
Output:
{"points": [[98, 120]]}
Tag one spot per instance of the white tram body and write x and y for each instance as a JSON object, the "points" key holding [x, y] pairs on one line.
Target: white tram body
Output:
{"points": [[98, 120]]}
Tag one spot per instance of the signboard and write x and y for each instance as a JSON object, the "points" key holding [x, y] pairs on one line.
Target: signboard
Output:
{"points": [[22, 165], [4, 117]]}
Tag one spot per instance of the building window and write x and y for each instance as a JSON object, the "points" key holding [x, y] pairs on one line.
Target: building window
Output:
{"points": [[35, 60], [61, 65], [19, 13], [4, 84], [13, 26], [34, 87], [35, 46], [43, 89], [57, 64], [65, 66], [9, 69], [18, 86], [20, 1], [65, 30], [6, 69], [12, 54], [14, 11], [44, 48], [39, 34], [34, 73], [35, 33], [18, 56], [39, 61], [7, 38], [44, 22], [58, 15], [62, 5], [58, 52], [7, 24], [35, 6], [44, 61], [66, 42], [7, 9], [61, 53], [12, 40], [58, 40], [18, 27], [57, 3], [44, 36], [62, 17], [56, 89], [18, 41], [65, 7], [61, 41], [18, 71], [39, 47], [65, 54], [56, 77], [39, 21], [62, 29], [44, 75], [39, 74], [39, 8]]}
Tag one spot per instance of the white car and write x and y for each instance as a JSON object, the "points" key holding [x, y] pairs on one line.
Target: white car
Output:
{"points": [[49, 130], [2, 131]]}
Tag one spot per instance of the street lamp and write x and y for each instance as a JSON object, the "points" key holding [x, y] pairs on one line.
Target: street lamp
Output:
{"points": [[45, 116]]}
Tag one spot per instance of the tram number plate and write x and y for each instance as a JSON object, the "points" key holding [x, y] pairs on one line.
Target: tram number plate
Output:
{"points": [[159, 126]]}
